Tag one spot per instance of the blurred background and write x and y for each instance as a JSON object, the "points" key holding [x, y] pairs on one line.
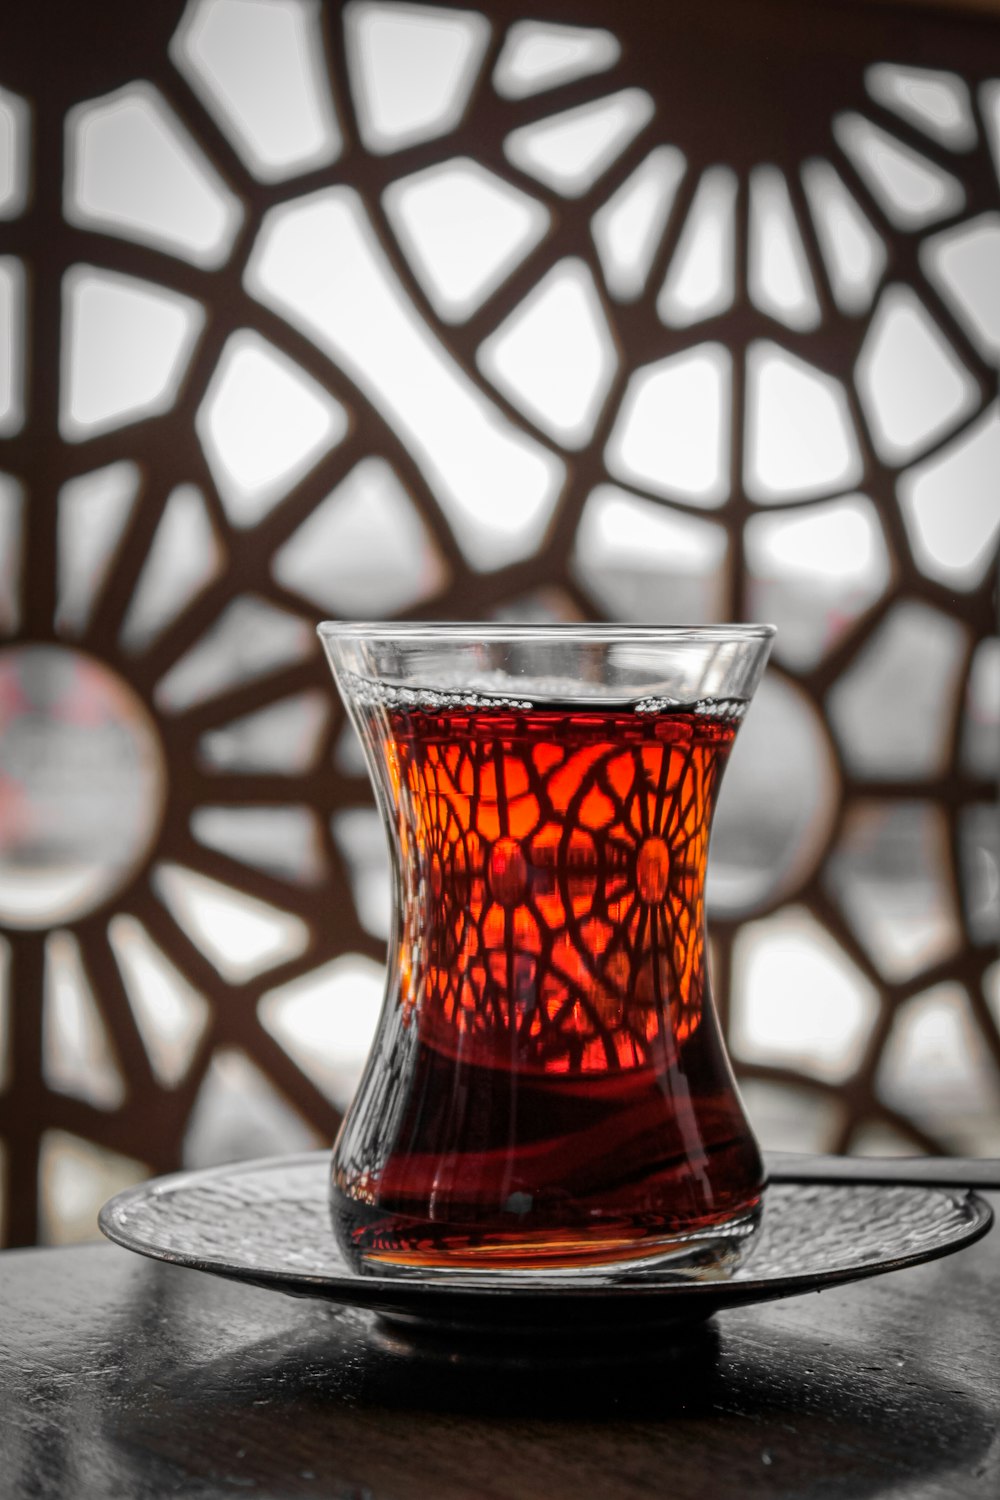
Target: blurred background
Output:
{"points": [[562, 311]]}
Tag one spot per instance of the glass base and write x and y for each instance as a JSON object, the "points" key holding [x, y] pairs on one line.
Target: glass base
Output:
{"points": [[709, 1253]]}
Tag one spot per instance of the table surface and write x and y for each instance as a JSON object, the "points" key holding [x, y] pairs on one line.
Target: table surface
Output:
{"points": [[124, 1377]]}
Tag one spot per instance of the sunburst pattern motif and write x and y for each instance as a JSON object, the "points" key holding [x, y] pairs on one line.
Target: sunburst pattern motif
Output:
{"points": [[388, 309], [553, 880]]}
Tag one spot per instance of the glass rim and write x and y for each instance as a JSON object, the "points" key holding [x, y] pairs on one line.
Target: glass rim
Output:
{"points": [[474, 631]]}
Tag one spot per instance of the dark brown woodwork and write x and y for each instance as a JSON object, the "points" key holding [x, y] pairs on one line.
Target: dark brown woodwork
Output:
{"points": [[740, 81]]}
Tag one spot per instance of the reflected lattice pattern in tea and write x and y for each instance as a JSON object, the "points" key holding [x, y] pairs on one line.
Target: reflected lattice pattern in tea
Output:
{"points": [[559, 905]]}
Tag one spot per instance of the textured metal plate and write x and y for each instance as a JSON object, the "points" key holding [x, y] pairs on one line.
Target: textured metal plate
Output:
{"points": [[267, 1223]]}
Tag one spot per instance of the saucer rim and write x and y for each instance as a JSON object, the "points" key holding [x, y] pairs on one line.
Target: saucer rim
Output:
{"points": [[412, 1295]]}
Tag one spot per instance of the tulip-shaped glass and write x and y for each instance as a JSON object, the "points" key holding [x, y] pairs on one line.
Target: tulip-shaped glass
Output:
{"points": [[548, 1087]]}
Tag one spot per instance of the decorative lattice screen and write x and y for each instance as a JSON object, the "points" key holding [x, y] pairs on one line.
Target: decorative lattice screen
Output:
{"points": [[681, 312]]}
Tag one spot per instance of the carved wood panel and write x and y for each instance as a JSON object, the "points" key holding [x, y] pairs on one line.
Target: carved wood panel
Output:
{"points": [[379, 309]]}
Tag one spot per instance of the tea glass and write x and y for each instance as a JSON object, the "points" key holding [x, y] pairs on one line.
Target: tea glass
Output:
{"points": [[548, 1089]]}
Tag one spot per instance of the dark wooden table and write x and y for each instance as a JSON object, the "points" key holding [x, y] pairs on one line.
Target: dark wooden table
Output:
{"points": [[122, 1377]]}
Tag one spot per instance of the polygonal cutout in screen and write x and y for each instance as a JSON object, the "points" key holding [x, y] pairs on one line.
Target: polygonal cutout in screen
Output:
{"points": [[891, 710], [627, 228], [93, 511], [257, 66], [964, 265], [778, 275], [889, 875], [250, 639], [912, 386], [320, 264], [412, 69], [911, 190], [554, 357], [183, 558], [538, 55], [325, 1021], [671, 435], [11, 345], [240, 935], [937, 102], [800, 437], [853, 253], [643, 561], [798, 1000], [568, 152], [364, 550], [264, 423], [134, 171], [700, 281], [463, 231], [152, 332], [950, 505], [814, 570]]}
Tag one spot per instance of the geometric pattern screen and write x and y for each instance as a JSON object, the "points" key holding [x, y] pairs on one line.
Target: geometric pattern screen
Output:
{"points": [[385, 310]]}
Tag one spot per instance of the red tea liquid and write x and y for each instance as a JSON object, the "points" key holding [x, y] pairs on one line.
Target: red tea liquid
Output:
{"points": [[549, 1086]]}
